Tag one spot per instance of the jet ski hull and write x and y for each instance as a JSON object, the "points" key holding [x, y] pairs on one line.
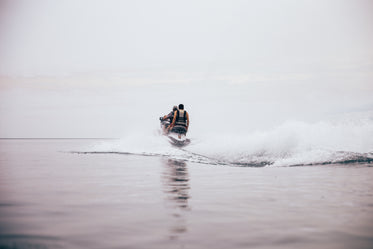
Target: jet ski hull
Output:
{"points": [[176, 141]]}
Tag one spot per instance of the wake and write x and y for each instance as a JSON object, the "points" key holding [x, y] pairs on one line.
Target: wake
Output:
{"points": [[344, 158], [290, 144]]}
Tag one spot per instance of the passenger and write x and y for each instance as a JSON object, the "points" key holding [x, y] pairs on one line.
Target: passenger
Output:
{"points": [[180, 122], [170, 116], [167, 119]]}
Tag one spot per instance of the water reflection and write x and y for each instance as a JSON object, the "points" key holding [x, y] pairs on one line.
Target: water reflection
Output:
{"points": [[176, 187]]}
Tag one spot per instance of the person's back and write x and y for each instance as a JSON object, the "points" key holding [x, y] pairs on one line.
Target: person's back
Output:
{"points": [[180, 122]]}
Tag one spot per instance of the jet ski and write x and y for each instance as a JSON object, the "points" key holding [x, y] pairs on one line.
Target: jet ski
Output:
{"points": [[176, 136]]}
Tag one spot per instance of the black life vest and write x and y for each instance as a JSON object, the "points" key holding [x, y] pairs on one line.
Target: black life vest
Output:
{"points": [[181, 118]]}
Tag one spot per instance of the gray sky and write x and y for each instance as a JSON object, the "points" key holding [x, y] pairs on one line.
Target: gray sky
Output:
{"points": [[97, 64], [63, 37]]}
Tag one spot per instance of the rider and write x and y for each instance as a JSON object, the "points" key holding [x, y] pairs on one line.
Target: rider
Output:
{"points": [[180, 122]]}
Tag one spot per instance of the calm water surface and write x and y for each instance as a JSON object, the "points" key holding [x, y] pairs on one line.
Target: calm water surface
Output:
{"points": [[51, 198]]}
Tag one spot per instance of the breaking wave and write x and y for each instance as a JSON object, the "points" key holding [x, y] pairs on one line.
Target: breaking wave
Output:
{"points": [[292, 143]]}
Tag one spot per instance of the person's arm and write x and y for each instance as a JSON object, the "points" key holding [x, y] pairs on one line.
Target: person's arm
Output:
{"points": [[187, 117], [173, 120]]}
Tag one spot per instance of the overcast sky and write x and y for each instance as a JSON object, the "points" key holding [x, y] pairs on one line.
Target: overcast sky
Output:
{"points": [[45, 37], [85, 61]]}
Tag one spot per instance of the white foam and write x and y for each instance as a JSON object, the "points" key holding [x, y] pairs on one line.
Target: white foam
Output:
{"points": [[291, 143]]}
